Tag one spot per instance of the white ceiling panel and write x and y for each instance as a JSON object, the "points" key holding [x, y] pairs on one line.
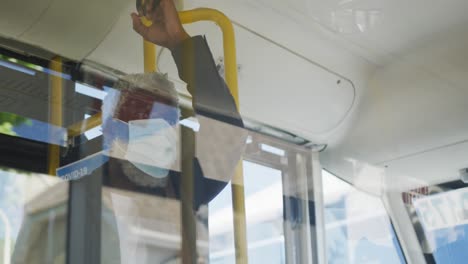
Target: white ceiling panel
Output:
{"points": [[284, 90], [74, 28], [17, 16], [414, 117]]}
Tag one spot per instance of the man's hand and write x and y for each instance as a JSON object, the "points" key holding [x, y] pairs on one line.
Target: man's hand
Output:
{"points": [[166, 30]]}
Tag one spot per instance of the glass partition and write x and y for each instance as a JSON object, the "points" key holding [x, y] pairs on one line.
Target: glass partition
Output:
{"points": [[264, 215], [144, 179], [33, 213], [439, 215]]}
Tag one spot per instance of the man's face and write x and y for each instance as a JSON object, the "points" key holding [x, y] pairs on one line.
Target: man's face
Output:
{"points": [[141, 130], [138, 104]]}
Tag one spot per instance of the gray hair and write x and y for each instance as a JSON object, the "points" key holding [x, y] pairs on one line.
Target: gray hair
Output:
{"points": [[154, 82]]}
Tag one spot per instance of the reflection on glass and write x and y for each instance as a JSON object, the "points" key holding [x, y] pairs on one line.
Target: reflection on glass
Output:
{"points": [[33, 213], [142, 228], [140, 219], [358, 229], [15, 125], [9, 121], [440, 217], [348, 16], [264, 215]]}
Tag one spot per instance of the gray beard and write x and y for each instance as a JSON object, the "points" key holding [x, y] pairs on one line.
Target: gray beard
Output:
{"points": [[133, 173], [140, 178]]}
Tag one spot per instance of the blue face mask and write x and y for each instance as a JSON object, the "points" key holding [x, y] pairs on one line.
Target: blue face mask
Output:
{"points": [[137, 135], [152, 146]]}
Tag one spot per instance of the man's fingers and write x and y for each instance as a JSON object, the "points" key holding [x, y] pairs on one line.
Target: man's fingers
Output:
{"points": [[139, 27], [168, 7], [150, 6]]}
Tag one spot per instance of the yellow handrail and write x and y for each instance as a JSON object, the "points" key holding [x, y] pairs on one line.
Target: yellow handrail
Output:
{"points": [[229, 41], [149, 51], [230, 64]]}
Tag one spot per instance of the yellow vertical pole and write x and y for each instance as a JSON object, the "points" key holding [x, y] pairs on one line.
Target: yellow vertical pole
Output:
{"points": [[150, 56], [238, 207], [229, 44], [55, 111]]}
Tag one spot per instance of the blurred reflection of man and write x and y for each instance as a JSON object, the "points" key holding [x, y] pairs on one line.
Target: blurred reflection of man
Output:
{"points": [[147, 107], [140, 129]]}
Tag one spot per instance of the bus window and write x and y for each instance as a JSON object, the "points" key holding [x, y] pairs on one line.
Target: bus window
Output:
{"points": [[107, 206], [357, 226], [440, 217], [28, 222], [264, 216]]}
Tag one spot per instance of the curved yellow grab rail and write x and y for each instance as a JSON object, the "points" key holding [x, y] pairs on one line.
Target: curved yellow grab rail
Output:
{"points": [[229, 41], [186, 17]]}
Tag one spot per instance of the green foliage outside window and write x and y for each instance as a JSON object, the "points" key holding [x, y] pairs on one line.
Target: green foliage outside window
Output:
{"points": [[22, 63], [8, 121]]}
